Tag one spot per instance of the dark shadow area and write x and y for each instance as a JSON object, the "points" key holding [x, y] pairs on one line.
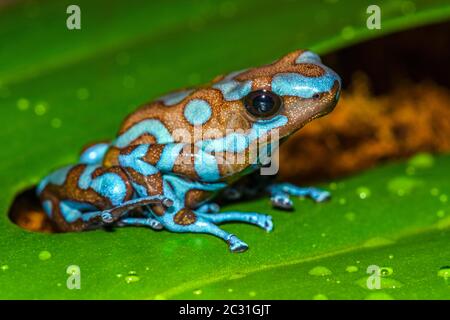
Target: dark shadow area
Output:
{"points": [[26, 211]]}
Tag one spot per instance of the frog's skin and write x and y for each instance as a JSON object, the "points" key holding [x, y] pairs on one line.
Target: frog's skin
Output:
{"points": [[151, 175]]}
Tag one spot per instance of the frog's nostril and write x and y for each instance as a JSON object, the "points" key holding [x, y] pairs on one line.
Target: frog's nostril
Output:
{"points": [[316, 96]]}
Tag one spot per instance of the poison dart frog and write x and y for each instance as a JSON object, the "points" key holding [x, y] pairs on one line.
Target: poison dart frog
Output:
{"points": [[172, 157]]}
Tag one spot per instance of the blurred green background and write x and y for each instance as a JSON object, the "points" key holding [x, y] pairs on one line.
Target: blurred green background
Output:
{"points": [[60, 89]]}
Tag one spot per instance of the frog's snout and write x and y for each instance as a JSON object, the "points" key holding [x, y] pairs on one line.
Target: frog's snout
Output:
{"points": [[329, 99]]}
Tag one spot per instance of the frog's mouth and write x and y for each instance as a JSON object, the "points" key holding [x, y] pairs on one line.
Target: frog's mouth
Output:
{"points": [[316, 107]]}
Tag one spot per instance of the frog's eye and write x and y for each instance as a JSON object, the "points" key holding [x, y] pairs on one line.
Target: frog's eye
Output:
{"points": [[262, 103]]}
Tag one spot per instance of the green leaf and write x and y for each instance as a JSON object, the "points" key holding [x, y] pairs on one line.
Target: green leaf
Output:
{"points": [[61, 89]]}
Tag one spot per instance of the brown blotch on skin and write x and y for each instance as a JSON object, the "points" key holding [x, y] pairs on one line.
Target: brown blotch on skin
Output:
{"points": [[185, 217], [286, 64], [194, 197], [111, 157], [154, 154]]}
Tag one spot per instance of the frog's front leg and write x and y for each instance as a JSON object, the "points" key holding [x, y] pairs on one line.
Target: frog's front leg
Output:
{"points": [[140, 222], [280, 194]]}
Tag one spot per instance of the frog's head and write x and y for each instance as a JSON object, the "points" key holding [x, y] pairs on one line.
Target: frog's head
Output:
{"points": [[284, 95]]}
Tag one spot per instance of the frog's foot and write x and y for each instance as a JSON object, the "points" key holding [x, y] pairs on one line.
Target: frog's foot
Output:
{"points": [[235, 244], [280, 192], [210, 207], [262, 220], [186, 220]]}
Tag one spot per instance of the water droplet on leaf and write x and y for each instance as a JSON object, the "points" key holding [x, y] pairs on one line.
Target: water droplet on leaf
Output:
{"points": [[320, 271], [351, 269], [44, 255]]}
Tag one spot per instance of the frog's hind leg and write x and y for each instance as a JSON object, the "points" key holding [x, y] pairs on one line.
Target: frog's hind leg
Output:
{"points": [[262, 220]]}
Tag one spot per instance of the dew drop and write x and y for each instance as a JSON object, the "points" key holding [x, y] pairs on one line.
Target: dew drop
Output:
{"points": [[131, 278], [230, 290], [444, 272], [386, 271], [391, 256], [4, 267], [342, 201], [363, 192], [119, 275], [443, 198], [252, 293], [40, 108], [351, 269], [197, 292], [403, 185], [44, 255], [440, 213], [23, 104], [421, 161], [320, 297], [320, 271]]}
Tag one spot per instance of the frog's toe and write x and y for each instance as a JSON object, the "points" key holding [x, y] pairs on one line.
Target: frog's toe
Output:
{"points": [[236, 245], [282, 201], [155, 224], [321, 196]]}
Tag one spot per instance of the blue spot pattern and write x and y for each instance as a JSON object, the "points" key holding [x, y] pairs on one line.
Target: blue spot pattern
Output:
{"points": [[308, 57], [134, 160], [58, 177], [169, 156], [151, 126], [197, 112], [232, 89]]}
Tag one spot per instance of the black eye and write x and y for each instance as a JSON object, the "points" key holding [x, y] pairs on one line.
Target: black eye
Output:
{"points": [[262, 103]]}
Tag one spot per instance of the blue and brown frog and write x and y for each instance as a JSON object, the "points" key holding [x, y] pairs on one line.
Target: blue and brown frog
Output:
{"points": [[160, 173]]}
